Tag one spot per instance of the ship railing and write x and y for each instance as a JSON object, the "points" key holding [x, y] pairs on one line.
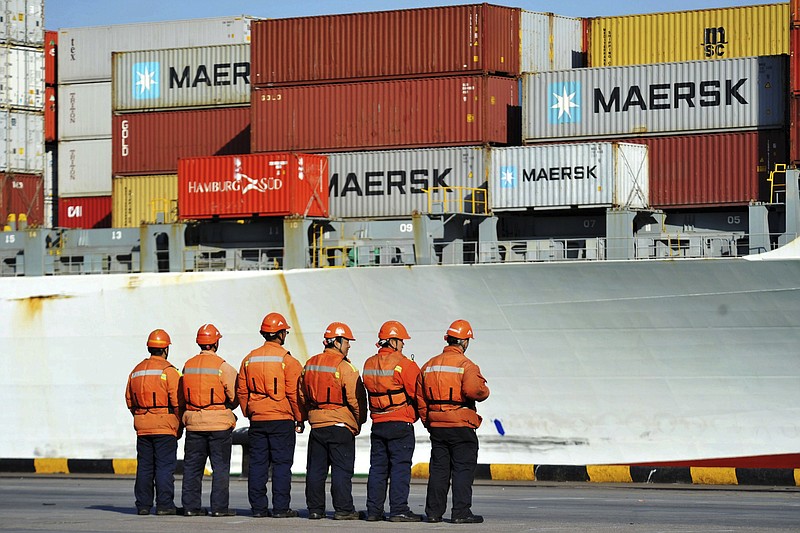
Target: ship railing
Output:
{"points": [[365, 255], [461, 200], [211, 259]]}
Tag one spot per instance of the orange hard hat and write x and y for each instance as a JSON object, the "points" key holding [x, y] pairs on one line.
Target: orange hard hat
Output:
{"points": [[208, 334], [339, 329], [460, 329], [273, 323], [392, 329], [158, 339]]}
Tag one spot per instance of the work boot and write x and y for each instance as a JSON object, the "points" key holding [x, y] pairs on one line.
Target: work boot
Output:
{"points": [[142, 511], [408, 516], [344, 515], [167, 511], [223, 512], [289, 513], [469, 519], [195, 512], [374, 517], [312, 515]]}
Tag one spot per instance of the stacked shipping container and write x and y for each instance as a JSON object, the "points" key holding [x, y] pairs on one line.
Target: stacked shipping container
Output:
{"points": [[794, 83]]}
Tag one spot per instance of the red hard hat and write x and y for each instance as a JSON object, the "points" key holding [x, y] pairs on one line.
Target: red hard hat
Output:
{"points": [[339, 329], [460, 329], [392, 329], [208, 334], [273, 323], [158, 339]]}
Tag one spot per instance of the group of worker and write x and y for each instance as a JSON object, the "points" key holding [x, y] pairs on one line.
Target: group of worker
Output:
{"points": [[279, 395]]}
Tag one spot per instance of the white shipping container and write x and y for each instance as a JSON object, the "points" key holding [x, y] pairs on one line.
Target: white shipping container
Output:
{"points": [[694, 96], [84, 168], [84, 111], [550, 42], [566, 175], [22, 142], [391, 184], [85, 53], [22, 22], [22, 78], [181, 78]]}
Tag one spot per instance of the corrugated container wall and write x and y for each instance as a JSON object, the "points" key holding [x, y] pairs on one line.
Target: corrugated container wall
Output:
{"points": [[794, 6], [478, 38], [22, 194], [21, 142], [22, 78], [86, 52], [50, 114], [794, 130], [84, 168], [567, 175], [728, 94], [152, 142], [713, 170], [794, 61], [181, 78], [50, 51], [22, 22], [392, 183], [412, 113], [144, 199], [84, 213], [84, 111], [551, 42], [253, 185], [761, 30]]}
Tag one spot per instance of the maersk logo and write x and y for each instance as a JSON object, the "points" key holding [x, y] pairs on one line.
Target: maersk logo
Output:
{"points": [[564, 102], [508, 177], [145, 80]]}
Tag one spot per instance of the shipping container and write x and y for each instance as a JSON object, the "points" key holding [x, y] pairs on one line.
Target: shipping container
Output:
{"points": [[90, 212], [207, 76], [794, 130], [138, 200], [424, 112], [253, 185], [695, 96], [50, 114], [22, 194], [551, 42], [22, 22], [406, 43], [152, 142], [569, 175], [84, 168], [50, 51], [393, 183], [794, 61], [84, 111], [21, 141], [50, 198], [794, 5], [713, 170], [87, 51], [22, 78], [761, 30]]}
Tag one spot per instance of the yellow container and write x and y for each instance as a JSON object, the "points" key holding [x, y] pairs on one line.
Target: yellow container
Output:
{"points": [[144, 199], [689, 35]]}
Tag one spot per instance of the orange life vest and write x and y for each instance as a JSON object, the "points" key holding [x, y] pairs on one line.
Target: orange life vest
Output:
{"points": [[442, 388], [202, 386], [265, 377], [385, 388], [323, 382], [149, 384]]}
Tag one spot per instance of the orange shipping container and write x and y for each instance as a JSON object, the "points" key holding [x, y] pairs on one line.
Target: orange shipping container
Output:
{"points": [[22, 194], [50, 114], [50, 60]]}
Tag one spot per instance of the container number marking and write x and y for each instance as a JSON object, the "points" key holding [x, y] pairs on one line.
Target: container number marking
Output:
{"points": [[10, 239], [406, 228]]}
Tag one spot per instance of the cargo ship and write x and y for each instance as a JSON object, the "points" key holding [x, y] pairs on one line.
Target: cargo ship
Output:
{"points": [[632, 281]]}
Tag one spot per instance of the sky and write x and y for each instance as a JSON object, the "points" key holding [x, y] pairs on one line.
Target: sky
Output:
{"points": [[75, 13]]}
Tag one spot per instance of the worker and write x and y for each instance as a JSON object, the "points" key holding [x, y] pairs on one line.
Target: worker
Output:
{"points": [[333, 394], [391, 380], [447, 389], [267, 391], [209, 392], [153, 399]]}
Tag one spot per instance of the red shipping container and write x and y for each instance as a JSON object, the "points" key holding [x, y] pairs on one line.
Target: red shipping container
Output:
{"points": [[253, 185], [152, 143], [713, 170], [794, 60], [50, 59], [50, 114], [794, 6], [794, 129], [22, 194], [85, 212], [424, 112], [407, 43]]}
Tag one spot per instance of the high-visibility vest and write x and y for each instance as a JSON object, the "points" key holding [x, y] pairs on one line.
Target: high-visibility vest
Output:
{"points": [[148, 384], [202, 383], [384, 384], [323, 382], [264, 375], [442, 388]]}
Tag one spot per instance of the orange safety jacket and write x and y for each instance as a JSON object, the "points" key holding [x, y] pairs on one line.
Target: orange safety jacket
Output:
{"points": [[148, 387], [322, 382], [442, 387], [264, 376], [384, 383], [202, 383]]}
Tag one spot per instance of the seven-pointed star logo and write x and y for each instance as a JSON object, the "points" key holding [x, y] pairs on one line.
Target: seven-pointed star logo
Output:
{"points": [[145, 84], [564, 102], [508, 177]]}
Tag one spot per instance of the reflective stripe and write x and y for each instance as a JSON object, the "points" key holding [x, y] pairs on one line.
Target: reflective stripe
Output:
{"points": [[378, 372], [213, 371], [449, 369], [142, 373], [318, 368], [266, 359]]}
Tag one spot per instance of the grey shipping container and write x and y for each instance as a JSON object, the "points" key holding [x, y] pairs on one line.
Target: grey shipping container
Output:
{"points": [[551, 42], [22, 77], [566, 175], [392, 184], [693, 96], [84, 168], [85, 53], [84, 111], [181, 78], [21, 141], [22, 22]]}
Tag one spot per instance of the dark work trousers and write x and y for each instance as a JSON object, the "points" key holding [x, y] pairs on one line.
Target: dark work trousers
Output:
{"points": [[391, 448], [156, 459], [199, 446], [271, 445], [454, 455], [333, 447]]}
